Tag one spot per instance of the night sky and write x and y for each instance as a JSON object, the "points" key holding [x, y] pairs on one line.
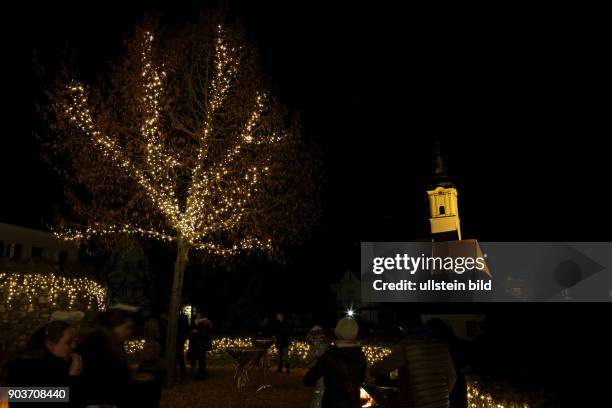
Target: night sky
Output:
{"points": [[517, 101]]}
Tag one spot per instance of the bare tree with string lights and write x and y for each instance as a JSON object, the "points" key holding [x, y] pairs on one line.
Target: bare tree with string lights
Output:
{"points": [[182, 142]]}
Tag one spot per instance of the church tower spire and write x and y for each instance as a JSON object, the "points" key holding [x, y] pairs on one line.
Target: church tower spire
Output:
{"points": [[443, 206], [439, 169]]}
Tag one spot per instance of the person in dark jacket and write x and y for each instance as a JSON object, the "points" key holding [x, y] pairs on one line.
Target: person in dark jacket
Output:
{"points": [[54, 365], [106, 376], [425, 369], [200, 343], [342, 368], [281, 333], [443, 332]]}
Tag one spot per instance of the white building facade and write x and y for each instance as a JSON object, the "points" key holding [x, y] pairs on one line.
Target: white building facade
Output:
{"points": [[19, 243]]}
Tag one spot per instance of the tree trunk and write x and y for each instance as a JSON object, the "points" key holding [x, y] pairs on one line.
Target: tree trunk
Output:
{"points": [[175, 306]]}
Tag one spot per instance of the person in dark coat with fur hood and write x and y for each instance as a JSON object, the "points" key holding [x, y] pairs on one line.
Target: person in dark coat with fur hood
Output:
{"points": [[199, 344], [342, 368]]}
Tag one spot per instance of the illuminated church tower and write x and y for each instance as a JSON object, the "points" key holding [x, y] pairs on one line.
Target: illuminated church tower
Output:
{"points": [[443, 207]]}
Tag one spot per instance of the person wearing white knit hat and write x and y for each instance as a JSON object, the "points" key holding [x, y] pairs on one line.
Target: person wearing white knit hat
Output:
{"points": [[342, 368], [346, 331]]}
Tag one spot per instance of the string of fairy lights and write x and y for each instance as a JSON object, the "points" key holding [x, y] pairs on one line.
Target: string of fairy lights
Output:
{"points": [[134, 346], [32, 286], [226, 63], [298, 349], [91, 231], [375, 353], [477, 398], [215, 202]]}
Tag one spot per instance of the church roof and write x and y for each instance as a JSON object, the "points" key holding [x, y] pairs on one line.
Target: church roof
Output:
{"points": [[440, 178]]}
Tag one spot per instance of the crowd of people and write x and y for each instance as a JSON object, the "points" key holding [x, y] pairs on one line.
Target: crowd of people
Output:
{"points": [[91, 360], [66, 353]]}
